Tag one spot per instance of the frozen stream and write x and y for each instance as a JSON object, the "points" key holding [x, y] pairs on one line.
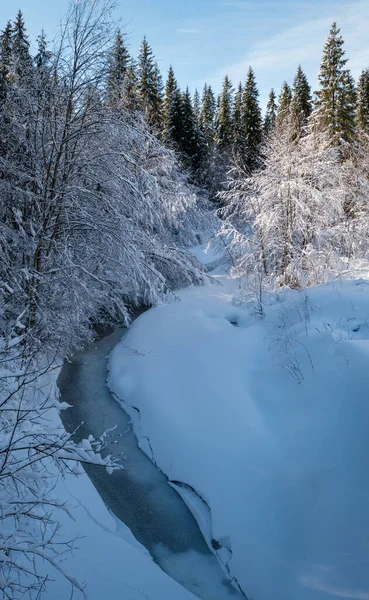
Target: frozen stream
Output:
{"points": [[140, 495]]}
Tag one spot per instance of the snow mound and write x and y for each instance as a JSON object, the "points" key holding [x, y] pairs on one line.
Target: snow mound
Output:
{"points": [[267, 420]]}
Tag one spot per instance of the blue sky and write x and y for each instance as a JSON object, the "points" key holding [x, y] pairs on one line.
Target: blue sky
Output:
{"points": [[204, 39]]}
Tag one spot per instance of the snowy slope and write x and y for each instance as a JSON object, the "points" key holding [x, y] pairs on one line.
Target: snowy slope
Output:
{"points": [[268, 421]]}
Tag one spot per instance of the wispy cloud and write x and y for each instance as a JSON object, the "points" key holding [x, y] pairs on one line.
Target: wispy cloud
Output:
{"points": [[281, 52], [187, 31], [274, 57]]}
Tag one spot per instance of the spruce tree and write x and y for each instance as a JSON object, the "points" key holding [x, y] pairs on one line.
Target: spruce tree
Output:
{"points": [[173, 129], [20, 57], [252, 122], [363, 102], [196, 104], [43, 55], [346, 107], [223, 118], [284, 104], [222, 147], [190, 145], [301, 104], [270, 113], [119, 61], [130, 99], [5, 59], [45, 72], [6, 45], [149, 85], [239, 142], [171, 89], [207, 116], [335, 97], [156, 110]]}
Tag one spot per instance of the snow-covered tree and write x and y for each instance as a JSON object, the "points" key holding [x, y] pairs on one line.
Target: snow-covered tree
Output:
{"points": [[301, 103], [284, 105], [283, 222], [335, 103], [239, 137]]}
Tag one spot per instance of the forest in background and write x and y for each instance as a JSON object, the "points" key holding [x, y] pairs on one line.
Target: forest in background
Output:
{"points": [[107, 174]]}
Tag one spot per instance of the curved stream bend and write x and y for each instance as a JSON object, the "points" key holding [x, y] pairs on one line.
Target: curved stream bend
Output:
{"points": [[139, 495]]}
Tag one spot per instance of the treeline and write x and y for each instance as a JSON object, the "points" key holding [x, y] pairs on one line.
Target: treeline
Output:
{"points": [[207, 131], [93, 206], [213, 133], [302, 215]]}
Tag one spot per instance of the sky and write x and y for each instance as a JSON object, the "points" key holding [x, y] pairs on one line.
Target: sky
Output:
{"points": [[205, 39]]}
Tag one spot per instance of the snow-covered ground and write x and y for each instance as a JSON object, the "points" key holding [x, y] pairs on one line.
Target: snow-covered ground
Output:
{"points": [[262, 425]]}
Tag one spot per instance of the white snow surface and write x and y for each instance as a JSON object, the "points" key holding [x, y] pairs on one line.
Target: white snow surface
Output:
{"points": [[267, 419]]}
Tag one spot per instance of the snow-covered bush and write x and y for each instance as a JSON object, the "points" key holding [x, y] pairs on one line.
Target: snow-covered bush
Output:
{"points": [[300, 219], [92, 203], [34, 447]]}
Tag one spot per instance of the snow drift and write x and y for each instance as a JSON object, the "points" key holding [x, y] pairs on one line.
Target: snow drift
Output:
{"points": [[267, 420]]}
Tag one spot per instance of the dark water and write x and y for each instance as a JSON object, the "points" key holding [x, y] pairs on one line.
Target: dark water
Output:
{"points": [[139, 495]]}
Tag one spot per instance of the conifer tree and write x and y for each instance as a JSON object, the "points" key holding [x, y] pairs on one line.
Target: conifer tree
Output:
{"points": [[301, 104], [222, 147], [23, 80], [223, 118], [169, 118], [156, 111], [20, 57], [346, 107], [44, 69], [119, 61], [191, 144], [5, 59], [270, 113], [239, 142], [6, 44], [284, 104], [130, 99], [196, 106], [170, 87], [173, 131], [149, 85], [43, 55], [363, 102], [207, 115], [252, 122], [335, 97]]}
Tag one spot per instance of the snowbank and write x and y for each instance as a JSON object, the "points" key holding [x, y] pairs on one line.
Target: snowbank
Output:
{"points": [[267, 420]]}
